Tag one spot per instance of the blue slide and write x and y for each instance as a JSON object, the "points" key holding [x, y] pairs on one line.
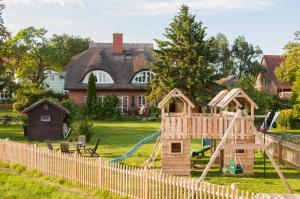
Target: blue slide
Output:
{"points": [[136, 147]]}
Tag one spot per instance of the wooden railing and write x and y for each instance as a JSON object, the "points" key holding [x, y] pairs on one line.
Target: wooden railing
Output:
{"points": [[96, 173], [205, 126], [285, 151]]}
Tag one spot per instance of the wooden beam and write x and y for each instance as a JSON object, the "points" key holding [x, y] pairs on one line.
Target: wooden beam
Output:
{"points": [[244, 146], [216, 153], [284, 181]]}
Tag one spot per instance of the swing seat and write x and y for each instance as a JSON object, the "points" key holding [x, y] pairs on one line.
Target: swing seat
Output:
{"points": [[233, 168]]}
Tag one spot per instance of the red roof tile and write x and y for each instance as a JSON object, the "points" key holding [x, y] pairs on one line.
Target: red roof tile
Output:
{"points": [[273, 61]]}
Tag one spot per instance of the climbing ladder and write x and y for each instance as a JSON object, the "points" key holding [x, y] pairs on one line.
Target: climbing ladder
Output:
{"points": [[155, 151]]}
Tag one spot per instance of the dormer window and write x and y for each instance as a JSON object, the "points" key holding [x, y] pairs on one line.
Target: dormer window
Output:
{"points": [[142, 77], [102, 77], [127, 57]]}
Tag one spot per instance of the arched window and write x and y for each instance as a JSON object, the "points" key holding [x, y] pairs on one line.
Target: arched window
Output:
{"points": [[101, 76], [142, 77]]}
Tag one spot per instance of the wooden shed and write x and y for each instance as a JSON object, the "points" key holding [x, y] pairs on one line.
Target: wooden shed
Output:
{"points": [[46, 120]]}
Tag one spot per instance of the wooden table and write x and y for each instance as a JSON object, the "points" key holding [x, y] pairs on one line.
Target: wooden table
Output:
{"points": [[77, 144]]}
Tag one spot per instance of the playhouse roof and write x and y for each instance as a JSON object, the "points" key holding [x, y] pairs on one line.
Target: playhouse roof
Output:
{"points": [[36, 104], [175, 93], [217, 98], [232, 95]]}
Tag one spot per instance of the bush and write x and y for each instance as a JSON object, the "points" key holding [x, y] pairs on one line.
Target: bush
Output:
{"points": [[285, 119], [29, 94], [105, 108], [154, 112], [82, 127], [76, 112]]}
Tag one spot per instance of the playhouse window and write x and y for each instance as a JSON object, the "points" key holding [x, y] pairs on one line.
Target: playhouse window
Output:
{"points": [[45, 107], [45, 118], [176, 147], [240, 151]]}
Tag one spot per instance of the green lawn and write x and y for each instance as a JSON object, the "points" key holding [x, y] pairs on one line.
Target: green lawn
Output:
{"points": [[17, 182], [117, 138]]}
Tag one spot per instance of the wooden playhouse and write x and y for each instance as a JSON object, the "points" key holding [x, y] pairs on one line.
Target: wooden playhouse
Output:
{"points": [[231, 111]]}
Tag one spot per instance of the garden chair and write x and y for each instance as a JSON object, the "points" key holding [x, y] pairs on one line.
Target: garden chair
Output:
{"points": [[64, 148], [50, 147], [93, 151], [82, 138]]}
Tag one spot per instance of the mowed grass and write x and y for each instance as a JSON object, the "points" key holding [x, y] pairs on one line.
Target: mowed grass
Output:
{"points": [[17, 182], [117, 137], [258, 183]]}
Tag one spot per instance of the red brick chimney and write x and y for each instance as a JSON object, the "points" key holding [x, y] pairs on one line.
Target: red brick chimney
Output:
{"points": [[117, 47]]}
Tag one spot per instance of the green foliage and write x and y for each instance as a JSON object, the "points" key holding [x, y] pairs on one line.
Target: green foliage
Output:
{"points": [[265, 101], [154, 112], [288, 69], [224, 62], [184, 60], [106, 108], [32, 53], [75, 112], [246, 58], [67, 46], [28, 94], [91, 94], [285, 119], [82, 127]]}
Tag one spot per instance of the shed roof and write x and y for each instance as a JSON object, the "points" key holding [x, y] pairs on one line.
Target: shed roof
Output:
{"points": [[217, 98], [36, 104], [175, 93], [232, 95]]}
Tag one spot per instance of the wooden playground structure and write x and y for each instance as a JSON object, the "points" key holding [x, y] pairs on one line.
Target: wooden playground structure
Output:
{"points": [[230, 123]]}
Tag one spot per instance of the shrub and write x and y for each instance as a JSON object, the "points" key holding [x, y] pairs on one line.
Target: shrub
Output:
{"points": [[76, 112], [154, 111], [285, 119], [106, 108], [82, 127]]}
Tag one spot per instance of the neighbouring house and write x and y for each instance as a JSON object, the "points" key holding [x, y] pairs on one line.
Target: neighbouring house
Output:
{"points": [[267, 80], [55, 80], [46, 120], [121, 69]]}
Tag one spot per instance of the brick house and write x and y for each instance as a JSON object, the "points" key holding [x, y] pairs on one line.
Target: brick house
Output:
{"points": [[121, 70], [267, 80]]}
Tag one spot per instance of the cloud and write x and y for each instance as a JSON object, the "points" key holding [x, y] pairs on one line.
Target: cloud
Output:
{"points": [[40, 2], [161, 7]]}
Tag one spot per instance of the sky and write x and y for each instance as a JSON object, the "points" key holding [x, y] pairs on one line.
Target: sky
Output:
{"points": [[270, 24]]}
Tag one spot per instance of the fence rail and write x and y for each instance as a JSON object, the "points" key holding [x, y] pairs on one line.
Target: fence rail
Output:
{"points": [[285, 151], [96, 173], [6, 107]]}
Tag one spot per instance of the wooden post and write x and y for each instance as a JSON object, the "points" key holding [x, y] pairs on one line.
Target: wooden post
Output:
{"points": [[280, 152]]}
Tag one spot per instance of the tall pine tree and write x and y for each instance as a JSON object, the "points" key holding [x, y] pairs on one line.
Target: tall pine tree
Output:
{"points": [[184, 60], [91, 93]]}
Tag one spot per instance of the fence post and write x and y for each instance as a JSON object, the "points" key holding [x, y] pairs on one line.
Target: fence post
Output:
{"points": [[146, 183], [280, 152], [100, 173]]}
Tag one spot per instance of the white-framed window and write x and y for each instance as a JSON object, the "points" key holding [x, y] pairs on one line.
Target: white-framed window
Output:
{"points": [[142, 77], [141, 102], [4, 95], [45, 118], [123, 103], [102, 77], [52, 78]]}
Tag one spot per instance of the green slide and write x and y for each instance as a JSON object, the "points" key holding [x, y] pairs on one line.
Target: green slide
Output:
{"points": [[206, 144], [136, 147]]}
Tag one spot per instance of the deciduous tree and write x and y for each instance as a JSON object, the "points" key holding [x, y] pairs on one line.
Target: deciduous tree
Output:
{"points": [[246, 58], [287, 71]]}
